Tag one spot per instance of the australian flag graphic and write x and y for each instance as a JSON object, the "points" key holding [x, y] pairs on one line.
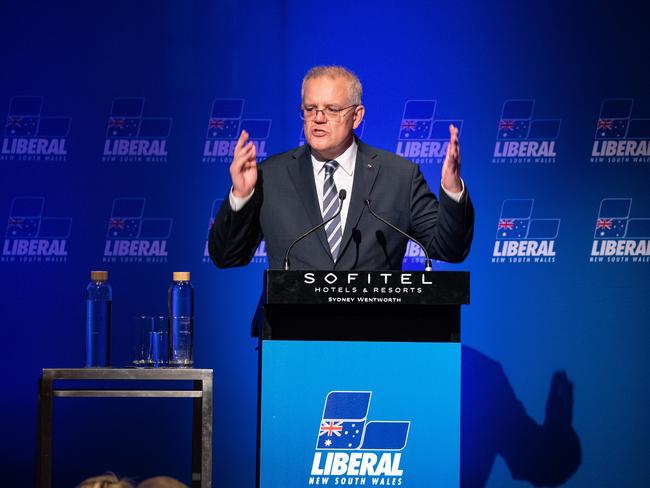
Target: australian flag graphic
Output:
{"points": [[344, 425], [26, 221], [23, 117], [225, 118], [123, 127], [24, 120], [612, 218], [127, 222], [417, 120], [515, 219], [512, 130], [21, 126], [126, 121], [614, 118], [343, 420], [25, 217], [126, 218], [515, 120], [517, 123]]}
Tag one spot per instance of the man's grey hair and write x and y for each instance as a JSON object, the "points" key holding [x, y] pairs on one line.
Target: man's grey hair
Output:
{"points": [[354, 84]]}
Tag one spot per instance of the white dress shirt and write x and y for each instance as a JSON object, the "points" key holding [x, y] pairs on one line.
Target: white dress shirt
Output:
{"points": [[343, 178]]}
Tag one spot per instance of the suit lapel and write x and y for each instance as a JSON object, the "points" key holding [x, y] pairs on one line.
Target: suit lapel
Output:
{"points": [[302, 176], [365, 173]]}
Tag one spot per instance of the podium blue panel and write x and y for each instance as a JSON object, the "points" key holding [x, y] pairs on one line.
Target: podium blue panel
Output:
{"points": [[360, 413]]}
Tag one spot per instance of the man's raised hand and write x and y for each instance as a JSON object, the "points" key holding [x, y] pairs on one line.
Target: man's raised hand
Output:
{"points": [[451, 167], [243, 169]]}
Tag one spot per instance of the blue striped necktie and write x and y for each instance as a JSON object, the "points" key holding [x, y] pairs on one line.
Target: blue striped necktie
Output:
{"points": [[330, 207]]}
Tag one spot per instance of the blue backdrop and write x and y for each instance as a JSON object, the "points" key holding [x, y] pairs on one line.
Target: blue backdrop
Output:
{"points": [[117, 124]]}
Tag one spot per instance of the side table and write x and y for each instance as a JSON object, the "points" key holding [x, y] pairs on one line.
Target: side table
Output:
{"points": [[201, 418]]}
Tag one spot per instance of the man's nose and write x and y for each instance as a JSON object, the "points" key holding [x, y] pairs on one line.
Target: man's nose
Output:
{"points": [[320, 116]]}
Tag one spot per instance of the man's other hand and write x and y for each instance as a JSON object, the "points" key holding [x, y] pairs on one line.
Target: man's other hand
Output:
{"points": [[243, 169]]}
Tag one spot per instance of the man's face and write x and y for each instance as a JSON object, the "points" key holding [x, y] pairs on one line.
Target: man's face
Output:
{"points": [[327, 138]]}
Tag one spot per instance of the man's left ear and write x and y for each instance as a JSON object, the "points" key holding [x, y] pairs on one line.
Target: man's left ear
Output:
{"points": [[359, 112]]}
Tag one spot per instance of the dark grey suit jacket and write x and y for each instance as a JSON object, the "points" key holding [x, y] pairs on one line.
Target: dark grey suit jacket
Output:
{"points": [[285, 205]]}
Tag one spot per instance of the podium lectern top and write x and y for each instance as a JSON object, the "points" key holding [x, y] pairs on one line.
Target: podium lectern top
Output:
{"points": [[363, 305]]}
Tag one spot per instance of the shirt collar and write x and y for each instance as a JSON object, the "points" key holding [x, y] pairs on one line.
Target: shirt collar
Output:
{"points": [[346, 160]]}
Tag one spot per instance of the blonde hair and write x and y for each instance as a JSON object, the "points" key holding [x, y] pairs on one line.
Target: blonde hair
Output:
{"points": [[108, 480], [161, 482], [356, 90]]}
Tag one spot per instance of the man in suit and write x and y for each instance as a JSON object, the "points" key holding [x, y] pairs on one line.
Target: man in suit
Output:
{"points": [[292, 192]]}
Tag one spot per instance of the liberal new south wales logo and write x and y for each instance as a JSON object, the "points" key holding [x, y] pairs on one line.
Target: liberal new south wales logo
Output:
{"points": [[619, 137], [522, 138], [31, 136], [521, 238], [132, 238], [33, 237], [351, 450], [224, 126], [619, 238], [131, 137]]}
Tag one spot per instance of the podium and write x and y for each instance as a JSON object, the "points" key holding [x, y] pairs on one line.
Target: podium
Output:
{"points": [[359, 378]]}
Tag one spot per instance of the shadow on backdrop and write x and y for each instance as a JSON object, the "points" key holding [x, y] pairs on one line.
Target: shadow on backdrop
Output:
{"points": [[494, 421]]}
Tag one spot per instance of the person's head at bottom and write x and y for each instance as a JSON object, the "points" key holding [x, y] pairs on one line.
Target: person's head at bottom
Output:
{"points": [[107, 480], [161, 482]]}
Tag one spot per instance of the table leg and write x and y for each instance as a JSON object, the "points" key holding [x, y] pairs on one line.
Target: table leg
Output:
{"points": [[202, 435], [44, 462], [206, 433]]}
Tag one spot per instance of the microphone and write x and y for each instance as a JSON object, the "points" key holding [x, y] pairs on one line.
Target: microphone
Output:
{"points": [[342, 195], [427, 261]]}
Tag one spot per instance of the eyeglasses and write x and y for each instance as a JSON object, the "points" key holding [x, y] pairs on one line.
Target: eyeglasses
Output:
{"points": [[330, 113]]}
